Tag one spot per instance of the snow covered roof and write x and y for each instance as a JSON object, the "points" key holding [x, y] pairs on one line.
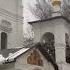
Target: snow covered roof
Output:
{"points": [[16, 54], [8, 55], [21, 51]]}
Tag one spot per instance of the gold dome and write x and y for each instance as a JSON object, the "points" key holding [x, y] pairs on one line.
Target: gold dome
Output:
{"points": [[56, 2]]}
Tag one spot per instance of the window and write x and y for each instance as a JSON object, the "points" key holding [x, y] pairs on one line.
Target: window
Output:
{"points": [[3, 40], [34, 58], [67, 48]]}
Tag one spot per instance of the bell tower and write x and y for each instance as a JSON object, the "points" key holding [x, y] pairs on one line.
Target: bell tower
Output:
{"points": [[56, 5]]}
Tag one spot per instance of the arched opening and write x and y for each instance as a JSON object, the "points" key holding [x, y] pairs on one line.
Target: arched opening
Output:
{"points": [[47, 42], [67, 48], [34, 58], [3, 40]]}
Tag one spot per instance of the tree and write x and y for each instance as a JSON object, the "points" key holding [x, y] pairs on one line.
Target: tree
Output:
{"points": [[28, 34], [66, 8], [41, 10]]}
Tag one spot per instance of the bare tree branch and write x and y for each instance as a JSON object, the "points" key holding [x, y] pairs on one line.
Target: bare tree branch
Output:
{"points": [[41, 9], [66, 8]]}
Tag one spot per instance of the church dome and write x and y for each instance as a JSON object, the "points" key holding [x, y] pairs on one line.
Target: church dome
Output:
{"points": [[56, 2]]}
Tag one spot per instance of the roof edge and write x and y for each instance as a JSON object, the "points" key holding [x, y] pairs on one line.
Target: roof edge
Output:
{"points": [[50, 19]]}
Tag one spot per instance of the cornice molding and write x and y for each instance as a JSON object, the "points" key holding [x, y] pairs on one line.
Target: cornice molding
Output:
{"points": [[6, 29], [10, 15], [5, 26]]}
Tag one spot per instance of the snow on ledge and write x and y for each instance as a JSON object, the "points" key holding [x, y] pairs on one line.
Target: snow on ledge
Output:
{"points": [[16, 54], [2, 59]]}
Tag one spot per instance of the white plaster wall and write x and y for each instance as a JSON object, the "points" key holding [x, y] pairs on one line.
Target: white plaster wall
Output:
{"points": [[58, 27], [10, 9], [20, 38], [55, 26], [15, 37], [12, 6], [11, 37]]}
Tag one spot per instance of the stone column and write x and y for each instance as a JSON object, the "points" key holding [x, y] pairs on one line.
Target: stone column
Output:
{"points": [[60, 48], [60, 52]]}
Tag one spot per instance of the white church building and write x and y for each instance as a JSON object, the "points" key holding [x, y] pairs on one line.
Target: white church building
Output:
{"points": [[11, 24], [51, 50], [55, 32]]}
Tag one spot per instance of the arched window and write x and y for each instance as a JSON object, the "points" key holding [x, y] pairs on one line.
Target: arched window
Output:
{"points": [[48, 41], [34, 58], [5, 26], [67, 48], [3, 40]]}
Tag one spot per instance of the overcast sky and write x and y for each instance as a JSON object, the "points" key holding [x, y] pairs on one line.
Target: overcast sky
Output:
{"points": [[28, 16]]}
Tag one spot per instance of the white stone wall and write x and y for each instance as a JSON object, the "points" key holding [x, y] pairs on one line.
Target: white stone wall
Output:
{"points": [[11, 11], [58, 27], [11, 6]]}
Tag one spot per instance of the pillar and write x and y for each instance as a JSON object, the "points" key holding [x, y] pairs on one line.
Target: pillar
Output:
{"points": [[60, 51], [60, 45]]}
